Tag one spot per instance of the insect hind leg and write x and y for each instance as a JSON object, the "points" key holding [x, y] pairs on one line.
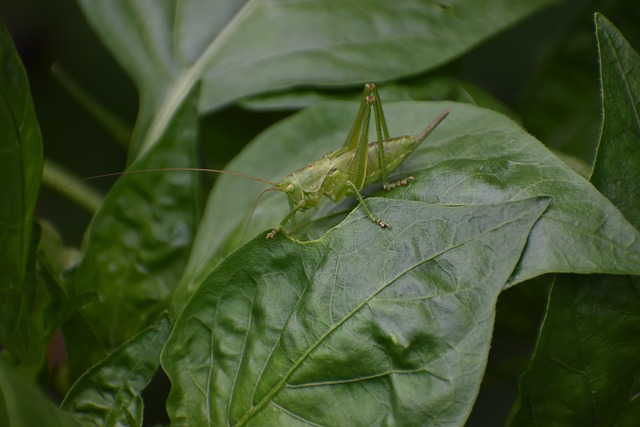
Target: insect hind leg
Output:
{"points": [[382, 133]]}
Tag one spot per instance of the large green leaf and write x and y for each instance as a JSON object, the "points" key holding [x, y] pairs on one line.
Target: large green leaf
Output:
{"points": [[474, 157], [108, 394], [20, 172], [241, 48], [364, 326], [586, 368], [23, 405], [137, 244]]}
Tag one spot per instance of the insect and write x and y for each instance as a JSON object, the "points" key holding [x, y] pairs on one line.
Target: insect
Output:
{"points": [[347, 170], [357, 164]]}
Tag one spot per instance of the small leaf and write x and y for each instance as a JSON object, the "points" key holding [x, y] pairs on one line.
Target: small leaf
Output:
{"points": [[365, 326], [108, 394], [23, 405], [616, 171]]}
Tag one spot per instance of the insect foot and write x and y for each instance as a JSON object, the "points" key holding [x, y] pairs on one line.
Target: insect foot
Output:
{"points": [[272, 233], [382, 224], [401, 183]]}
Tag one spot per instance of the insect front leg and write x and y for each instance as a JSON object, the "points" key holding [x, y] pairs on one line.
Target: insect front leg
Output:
{"points": [[286, 219]]}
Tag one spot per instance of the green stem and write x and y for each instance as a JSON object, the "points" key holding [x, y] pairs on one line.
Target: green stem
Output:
{"points": [[64, 182]]}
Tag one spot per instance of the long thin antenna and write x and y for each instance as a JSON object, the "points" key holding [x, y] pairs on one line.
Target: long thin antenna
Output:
{"points": [[253, 209], [132, 171]]}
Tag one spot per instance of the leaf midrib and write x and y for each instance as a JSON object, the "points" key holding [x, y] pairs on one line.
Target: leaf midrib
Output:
{"points": [[187, 80], [281, 384]]}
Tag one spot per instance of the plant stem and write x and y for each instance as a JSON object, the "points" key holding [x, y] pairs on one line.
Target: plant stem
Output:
{"points": [[64, 182]]}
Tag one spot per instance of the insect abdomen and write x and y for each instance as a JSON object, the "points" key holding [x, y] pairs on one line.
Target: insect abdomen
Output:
{"points": [[396, 151]]}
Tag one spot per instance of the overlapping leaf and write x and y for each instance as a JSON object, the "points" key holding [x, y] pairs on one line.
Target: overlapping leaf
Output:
{"points": [[586, 366], [365, 326], [23, 405], [109, 394], [137, 245], [474, 157], [168, 46]]}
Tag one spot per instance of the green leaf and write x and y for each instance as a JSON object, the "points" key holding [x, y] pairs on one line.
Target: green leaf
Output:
{"points": [[168, 47], [586, 367], [20, 171], [617, 169], [23, 405], [474, 157], [108, 394], [364, 326], [433, 88], [137, 244]]}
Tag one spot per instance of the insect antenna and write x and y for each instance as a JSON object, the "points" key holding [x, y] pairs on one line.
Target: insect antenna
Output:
{"points": [[135, 171], [253, 208]]}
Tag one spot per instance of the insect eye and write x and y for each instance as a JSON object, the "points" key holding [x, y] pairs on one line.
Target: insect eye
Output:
{"points": [[289, 188]]}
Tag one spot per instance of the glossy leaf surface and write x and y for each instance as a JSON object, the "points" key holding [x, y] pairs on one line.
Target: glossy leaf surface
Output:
{"points": [[108, 394], [366, 326], [475, 157], [168, 47], [138, 242]]}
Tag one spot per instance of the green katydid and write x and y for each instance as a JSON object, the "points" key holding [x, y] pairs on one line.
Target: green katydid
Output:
{"points": [[347, 170], [355, 165]]}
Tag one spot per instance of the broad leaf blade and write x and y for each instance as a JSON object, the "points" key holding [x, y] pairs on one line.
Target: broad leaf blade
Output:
{"points": [[362, 327], [108, 394], [137, 245], [474, 157], [20, 172], [168, 47], [331, 42], [586, 366]]}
